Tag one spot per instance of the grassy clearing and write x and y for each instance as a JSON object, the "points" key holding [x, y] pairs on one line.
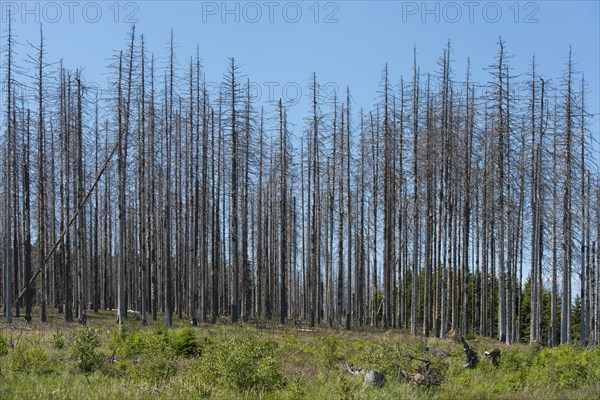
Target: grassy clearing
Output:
{"points": [[256, 361]]}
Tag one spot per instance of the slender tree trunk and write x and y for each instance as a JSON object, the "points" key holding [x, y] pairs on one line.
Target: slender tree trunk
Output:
{"points": [[283, 311], [415, 258], [565, 315]]}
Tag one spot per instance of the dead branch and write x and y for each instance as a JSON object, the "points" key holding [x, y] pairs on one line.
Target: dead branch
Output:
{"points": [[427, 362], [351, 369]]}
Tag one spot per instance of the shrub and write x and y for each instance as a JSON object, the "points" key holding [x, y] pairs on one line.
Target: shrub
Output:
{"points": [[58, 341], [345, 387], [157, 359], [296, 389], [30, 360], [87, 358], [561, 367], [328, 352], [515, 360], [514, 377], [146, 356], [155, 368], [126, 344], [591, 360], [289, 342], [185, 343], [244, 362], [383, 355]]}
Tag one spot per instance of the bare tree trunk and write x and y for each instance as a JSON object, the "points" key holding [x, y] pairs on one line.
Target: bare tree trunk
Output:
{"points": [[467, 207], [246, 281], [533, 330], [10, 145], [331, 304], [283, 259], [122, 309], [204, 196], [153, 227], [565, 315], [142, 203], [27, 222], [360, 281], [427, 304], [260, 263], [389, 200], [96, 228], [349, 207], [502, 322], [583, 269], [415, 258], [216, 270], [81, 261], [41, 188], [167, 210], [315, 260], [340, 233], [375, 173], [554, 280]]}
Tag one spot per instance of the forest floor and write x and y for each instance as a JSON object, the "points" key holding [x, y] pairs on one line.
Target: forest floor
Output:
{"points": [[60, 360]]}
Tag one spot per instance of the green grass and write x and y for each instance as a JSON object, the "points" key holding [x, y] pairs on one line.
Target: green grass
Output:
{"points": [[59, 360]]}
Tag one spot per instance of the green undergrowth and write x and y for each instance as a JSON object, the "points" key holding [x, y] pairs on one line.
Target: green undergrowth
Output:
{"points": [[231, 362]]}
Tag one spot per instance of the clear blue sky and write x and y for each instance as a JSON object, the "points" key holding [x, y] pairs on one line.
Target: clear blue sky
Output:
{"points": [[345, 42]]}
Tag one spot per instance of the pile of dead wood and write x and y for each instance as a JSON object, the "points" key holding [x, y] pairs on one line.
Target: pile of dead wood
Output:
{"points": [[423, 376]]}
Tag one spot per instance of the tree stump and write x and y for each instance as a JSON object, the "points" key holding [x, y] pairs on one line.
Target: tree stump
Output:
{"points": [[374, 378], [470, 353], [494, 356]]}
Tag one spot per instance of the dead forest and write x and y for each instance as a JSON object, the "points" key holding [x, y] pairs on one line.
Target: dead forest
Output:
{"points": [[449, 205]]}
